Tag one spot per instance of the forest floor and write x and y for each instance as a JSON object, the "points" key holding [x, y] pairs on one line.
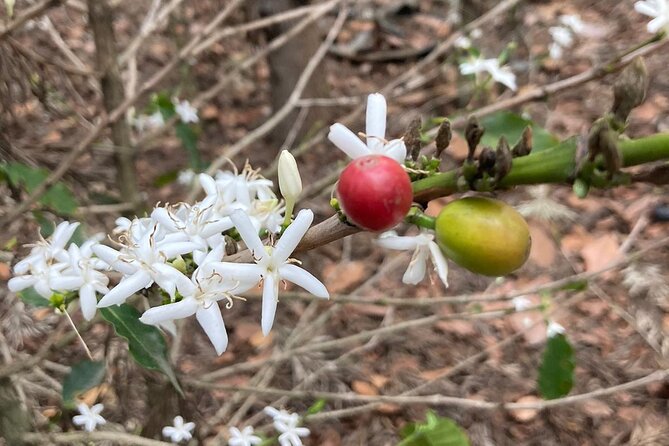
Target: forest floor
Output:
{"points": [[618, 325]]}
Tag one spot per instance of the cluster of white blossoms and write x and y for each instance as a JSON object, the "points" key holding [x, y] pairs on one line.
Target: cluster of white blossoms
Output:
{"points": [[181, 249], [563, 35], [53, 266]]}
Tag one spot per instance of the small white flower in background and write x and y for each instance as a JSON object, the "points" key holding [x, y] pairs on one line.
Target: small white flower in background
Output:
{"points": [[273, 264], [463, 42], [574, 22], [149, 122], [503, 75], [89, 417], [521, 303], [476, 33], [186, 177], [423, 247], [187, 113], [375, 134], [658, 9], [244, 437], [554, 329], [211, 282], [180, 431], [562, 36], [287, 425]]}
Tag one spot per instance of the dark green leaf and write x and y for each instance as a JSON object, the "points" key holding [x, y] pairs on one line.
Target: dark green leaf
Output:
{"points": [[162, 102], [32, 297], [511, 126], [166, 178], [83, 376], [556, 373], [58, 197], [145, 342], [188, 138], [436, 431]]}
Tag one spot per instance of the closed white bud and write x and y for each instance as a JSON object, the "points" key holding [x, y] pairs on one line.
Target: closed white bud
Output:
{"points": [[290, 182]]}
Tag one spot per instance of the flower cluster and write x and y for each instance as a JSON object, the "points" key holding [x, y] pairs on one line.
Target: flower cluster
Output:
{"points": [[181, 250], [52, 268]]}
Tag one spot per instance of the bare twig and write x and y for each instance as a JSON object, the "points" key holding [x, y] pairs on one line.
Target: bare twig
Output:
{"points": [[30, 13], [120, 438], [442, 400], [290, 104]]}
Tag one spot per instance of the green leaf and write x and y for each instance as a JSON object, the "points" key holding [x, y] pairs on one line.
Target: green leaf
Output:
{"points": [[83, 376], [511, 126], [188, 138], [316, 407], [556, 373], [145, 342], [58, 197], [166, 178], [436, 431], [32, 297]]}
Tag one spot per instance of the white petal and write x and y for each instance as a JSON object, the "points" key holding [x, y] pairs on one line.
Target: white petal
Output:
{"points": [[162, 216], [376, 121], [171, 250], [303, 278], [170, 274], [20, 283], [396, 149], [126, 288], [43, 289], [270, 297], [292, 236], [87, 301], [66, 283], [212, 323], [208, 184], [347, 141], [416, 270], [63, 233], [111, 257], [239, 273], [439, 261], [646, 8], [400, 243], [178, 310], [248, 233], [657, 24]]}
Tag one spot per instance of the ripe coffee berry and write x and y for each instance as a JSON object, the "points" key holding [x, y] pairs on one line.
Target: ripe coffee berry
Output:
{"points": [[374, 192]]}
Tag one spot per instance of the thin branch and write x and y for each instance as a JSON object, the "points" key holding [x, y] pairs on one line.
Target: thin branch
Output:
{"points": [[30, 13], [290, 104], [120, 438], [442, 400]]}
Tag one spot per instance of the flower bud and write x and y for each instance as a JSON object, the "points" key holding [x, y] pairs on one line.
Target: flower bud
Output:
{"points": [[290, 182]]}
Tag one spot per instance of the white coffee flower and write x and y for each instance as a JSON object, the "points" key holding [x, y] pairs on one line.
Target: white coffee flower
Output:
{"points": [[287, 425], [503, 75], [85, 267], [142, 264], [349, 143], [49, 250], [180, 431], [463, 42], [574, 22], [521, 303], [554, 329], [423, 247], [244, 437], [211, 282], [89, 418], [187, 113], [562, 36], [273, 264], [658, 9]]}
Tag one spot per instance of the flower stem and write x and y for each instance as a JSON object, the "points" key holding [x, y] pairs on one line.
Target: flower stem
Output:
{"points": [[74, 327], [418, 218]]}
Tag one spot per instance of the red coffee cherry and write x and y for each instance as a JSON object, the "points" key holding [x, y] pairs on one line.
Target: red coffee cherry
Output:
{"points": [[374, 192]]}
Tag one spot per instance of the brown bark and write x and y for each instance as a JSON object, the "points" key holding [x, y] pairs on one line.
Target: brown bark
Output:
{"points": [[286, 64], [101, 22]]}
